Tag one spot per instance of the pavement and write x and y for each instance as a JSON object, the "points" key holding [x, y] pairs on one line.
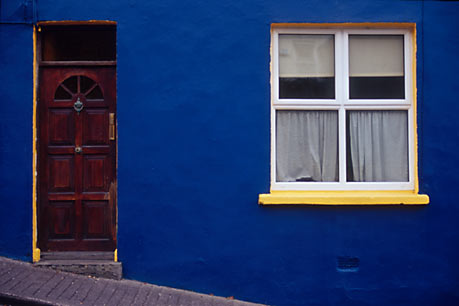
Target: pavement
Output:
{"points": [[22, 283]]}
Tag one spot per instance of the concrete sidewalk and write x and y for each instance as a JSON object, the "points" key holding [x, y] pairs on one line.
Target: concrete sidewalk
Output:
{"points": [[23, 284]]}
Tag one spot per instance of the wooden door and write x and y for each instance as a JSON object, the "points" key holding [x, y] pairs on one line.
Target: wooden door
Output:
{"points": [[77, 159]]}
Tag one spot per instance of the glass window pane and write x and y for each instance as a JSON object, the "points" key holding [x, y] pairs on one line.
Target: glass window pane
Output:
{"points": [[306, 146], [78, 43], [377, 146], [62, 94], [72, 84], [95, 94], [376, 67], [306, 66]]}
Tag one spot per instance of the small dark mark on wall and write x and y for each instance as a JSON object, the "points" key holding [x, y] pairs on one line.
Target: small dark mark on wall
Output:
{"points": [[347, 264]]}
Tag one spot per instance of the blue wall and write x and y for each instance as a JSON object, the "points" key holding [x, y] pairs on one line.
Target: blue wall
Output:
{"points": [[193, 114], [16, 110]]}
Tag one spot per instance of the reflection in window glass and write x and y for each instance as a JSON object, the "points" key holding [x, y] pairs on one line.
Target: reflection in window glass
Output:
{"points": [[306, 67], [376, 67]]}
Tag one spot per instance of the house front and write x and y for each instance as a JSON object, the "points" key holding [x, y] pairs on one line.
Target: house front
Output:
{"points": [[287, 153]]}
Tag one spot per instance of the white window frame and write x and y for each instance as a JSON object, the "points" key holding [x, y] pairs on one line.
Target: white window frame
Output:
{"points": [[342, 103]]}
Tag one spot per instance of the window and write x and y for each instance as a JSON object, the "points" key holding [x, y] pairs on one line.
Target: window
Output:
{"points": [[82, 42], [343, 116]]}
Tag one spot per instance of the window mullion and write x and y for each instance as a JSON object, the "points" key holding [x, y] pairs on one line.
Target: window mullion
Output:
{"points": [[341, 96]]}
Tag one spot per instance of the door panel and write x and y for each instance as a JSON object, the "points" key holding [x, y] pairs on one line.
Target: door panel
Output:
{"points": [[61, 173], [62, 225], [77, 183], [95, 127], [96, 225], [93, 166], [63, 131]]}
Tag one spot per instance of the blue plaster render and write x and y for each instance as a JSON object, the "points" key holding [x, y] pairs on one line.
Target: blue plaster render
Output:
{"points": [[16, 140], [193, 115]]}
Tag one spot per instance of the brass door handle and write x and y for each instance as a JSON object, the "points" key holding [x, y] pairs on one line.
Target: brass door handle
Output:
{"points": [[112, 126]]}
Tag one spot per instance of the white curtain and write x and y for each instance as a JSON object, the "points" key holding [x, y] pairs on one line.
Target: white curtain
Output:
{"points": [[306, 146], [378, 143]]}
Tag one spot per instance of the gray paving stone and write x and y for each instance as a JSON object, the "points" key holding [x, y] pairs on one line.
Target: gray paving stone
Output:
{"points": [[33, 283], [185, 299], [71, 290], [141, 295], [105, 295], [83, 291], [47, 287], [10, 275], [118, 295], [153, 297], [4, 268], [16, 281], [130, 294], [60, 288], [167, 298], [95, 292], [5, 277], [27, 284]]}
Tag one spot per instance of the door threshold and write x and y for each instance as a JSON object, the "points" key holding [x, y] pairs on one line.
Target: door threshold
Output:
{"points": [[97, 264], [77, 256]]}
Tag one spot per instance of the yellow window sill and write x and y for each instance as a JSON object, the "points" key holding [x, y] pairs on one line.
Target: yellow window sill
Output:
{"points": [[343, 198]]}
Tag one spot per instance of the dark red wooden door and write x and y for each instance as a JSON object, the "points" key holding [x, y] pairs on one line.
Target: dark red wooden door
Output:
{"points": [[77, 159]]}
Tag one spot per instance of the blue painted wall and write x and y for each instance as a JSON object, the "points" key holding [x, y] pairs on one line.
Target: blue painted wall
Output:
{"points": [[193, 114], [16, 108]]}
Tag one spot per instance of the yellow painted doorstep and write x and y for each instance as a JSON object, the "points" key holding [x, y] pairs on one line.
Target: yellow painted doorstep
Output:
{"points": [[36, 255], [343, 198]]}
